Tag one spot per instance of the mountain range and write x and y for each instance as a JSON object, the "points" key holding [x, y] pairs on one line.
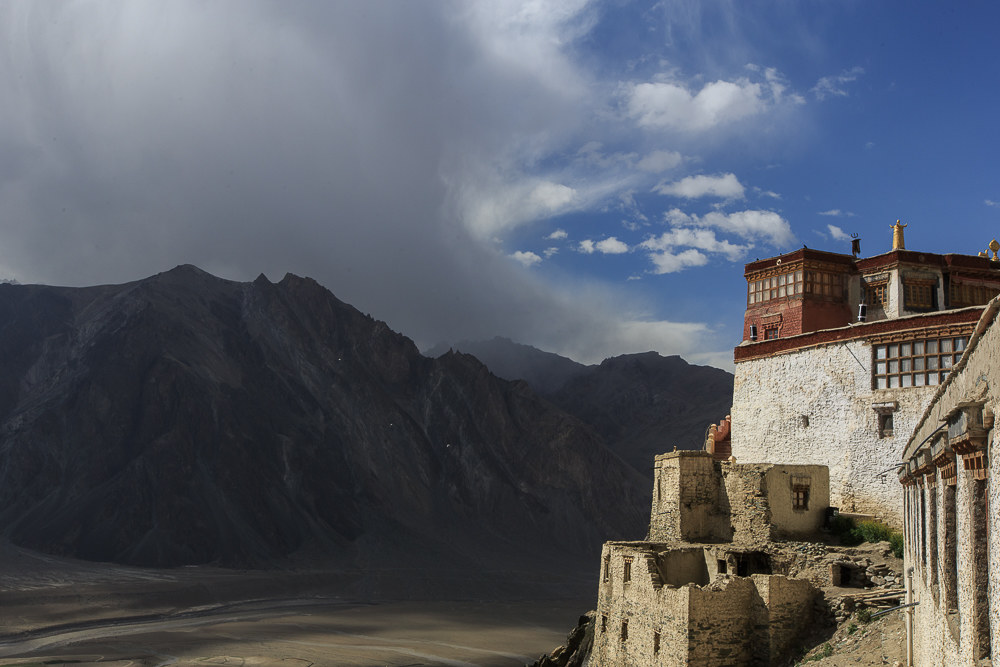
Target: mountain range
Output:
{"points": [[187, 419], [641, 404]]}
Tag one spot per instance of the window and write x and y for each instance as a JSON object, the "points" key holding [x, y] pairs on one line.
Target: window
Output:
{"points": [[775, 287], [800, 493], [656, 642], [624, 629], [604, 623], [971, 294], [885, 425], [607, 568], [723, 565], [821, 283], [627, 572], [876, 293], [770, 333], [915, 363], [919, 294]]}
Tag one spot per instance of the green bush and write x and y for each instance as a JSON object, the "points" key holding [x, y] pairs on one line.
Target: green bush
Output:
{"points": [[864, 615], [852, 534], [896, 540], [874, 531]]}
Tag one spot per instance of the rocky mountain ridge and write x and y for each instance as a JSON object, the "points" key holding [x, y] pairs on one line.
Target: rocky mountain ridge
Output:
{"points": [[641, 404], [184, 418]]}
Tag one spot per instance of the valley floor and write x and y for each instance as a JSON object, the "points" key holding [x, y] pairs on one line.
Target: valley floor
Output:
{"points": [[55, 611]]}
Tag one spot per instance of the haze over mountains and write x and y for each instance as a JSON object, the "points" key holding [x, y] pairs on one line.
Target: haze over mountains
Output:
{"points": [[186, 419]]}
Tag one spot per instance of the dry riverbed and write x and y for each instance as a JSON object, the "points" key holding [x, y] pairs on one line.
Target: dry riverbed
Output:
{"points": [[57, 611]]}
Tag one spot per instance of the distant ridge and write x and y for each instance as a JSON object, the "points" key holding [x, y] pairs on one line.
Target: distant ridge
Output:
{"points": [[184, 419], [641, 404], [544, 371]]}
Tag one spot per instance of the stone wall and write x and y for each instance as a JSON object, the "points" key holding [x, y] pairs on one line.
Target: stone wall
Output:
{"points": [[815, 406], [698, 499], [951, 532], [729, 620]]}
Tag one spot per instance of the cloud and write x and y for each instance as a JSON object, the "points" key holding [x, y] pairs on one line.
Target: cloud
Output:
{"points": [[667, 262], [659, 161], [990, 202], [609, 246], [702, 239], [838, 234], [835, 86], [526, 258], [557, 235], [548, 252], [667, 104], [726, 186], [837, 213], [751, 225]]}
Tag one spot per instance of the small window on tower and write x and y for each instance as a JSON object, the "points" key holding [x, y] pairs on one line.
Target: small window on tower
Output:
{"points": [[770, 333], [800, 493], [627, 571]]}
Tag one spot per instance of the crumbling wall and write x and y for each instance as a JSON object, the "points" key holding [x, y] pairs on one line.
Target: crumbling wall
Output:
{"points": [[720, 623], [786, 610]]}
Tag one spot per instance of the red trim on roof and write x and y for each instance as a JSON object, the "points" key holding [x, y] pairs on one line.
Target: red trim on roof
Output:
{"points": [[767, 348]]}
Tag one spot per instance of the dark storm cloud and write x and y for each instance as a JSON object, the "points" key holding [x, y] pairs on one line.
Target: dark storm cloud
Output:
{"points": [[344, 141]]}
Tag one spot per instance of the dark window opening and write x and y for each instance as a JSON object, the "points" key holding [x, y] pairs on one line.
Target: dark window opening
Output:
{"points": [[656, 642], [607, 568], [885, 425], [625, 629], [800, 497], [627, 571], [752, 562], [722, 566]]}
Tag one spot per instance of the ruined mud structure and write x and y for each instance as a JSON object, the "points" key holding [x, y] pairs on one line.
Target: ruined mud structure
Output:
{"points": [[708, 585]]}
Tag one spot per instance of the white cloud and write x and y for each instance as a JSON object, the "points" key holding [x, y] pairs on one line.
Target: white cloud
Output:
{"points": [[702, 239], [834, 86], [611, 246], [990, 202], [548, 252], [750, 225], [557, 235], [768, 193], [837, 213], [667, 262], [659, 161], [665, 104], [726, 186], [838, 234], [526, 258], [491, 206]]}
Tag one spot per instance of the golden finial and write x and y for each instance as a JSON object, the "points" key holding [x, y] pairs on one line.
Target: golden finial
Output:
{"points": [[897, 236], [994, 246]]}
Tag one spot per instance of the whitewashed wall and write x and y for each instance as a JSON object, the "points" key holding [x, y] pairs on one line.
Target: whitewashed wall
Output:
{"points": [[831, 385]]}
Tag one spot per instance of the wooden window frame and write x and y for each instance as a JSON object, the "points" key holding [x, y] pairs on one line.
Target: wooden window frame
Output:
{"points": [[920, 362]]}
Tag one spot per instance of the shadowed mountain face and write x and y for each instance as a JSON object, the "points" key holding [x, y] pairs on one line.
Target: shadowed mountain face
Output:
{"points": [[188, 419], [641, 404]]}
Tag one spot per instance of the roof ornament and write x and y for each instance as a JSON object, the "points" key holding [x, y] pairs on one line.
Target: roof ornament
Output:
{"points": [[897, 236], [855, 245], [995, 246]]}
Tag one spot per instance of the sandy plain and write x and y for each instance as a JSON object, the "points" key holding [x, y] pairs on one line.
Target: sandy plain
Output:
{"points": [[58, 611]]}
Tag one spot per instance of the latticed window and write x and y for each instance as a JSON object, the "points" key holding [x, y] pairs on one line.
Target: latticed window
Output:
{"points": [[774, 287], [876, 293], [919, 295], [915, 363], [627, 570], [971, 294], [822, 283]]}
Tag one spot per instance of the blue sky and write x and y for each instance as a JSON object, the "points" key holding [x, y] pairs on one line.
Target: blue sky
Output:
{"points": [[586, 177]]}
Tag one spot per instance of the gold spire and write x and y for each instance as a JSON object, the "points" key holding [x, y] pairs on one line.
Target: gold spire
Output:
{"points": [[994, 246], [897, 236]]}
